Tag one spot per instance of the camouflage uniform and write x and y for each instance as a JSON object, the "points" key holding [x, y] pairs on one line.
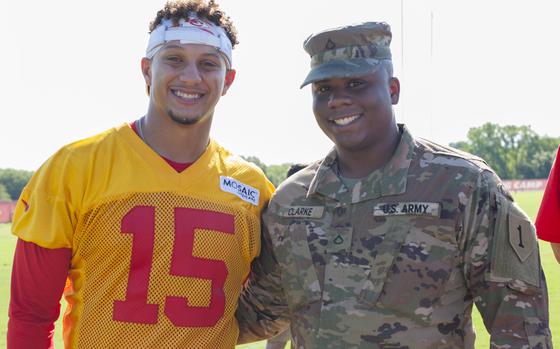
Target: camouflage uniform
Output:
{"points": [[397, 260]]}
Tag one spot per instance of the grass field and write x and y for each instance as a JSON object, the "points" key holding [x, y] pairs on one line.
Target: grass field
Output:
{"points": [[529, 201]]}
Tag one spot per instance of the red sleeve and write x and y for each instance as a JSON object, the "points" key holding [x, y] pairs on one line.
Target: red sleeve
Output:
{"points": [[548, 218], [38, 279]]}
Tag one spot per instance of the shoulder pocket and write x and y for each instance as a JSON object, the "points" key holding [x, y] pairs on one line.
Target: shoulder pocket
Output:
{"points": [[515, 253]]}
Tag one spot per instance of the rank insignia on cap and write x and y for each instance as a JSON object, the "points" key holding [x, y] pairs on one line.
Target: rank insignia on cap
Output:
{"points": [[348, 51]]}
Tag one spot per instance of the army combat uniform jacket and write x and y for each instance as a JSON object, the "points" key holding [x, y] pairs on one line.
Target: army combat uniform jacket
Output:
{"points": [[397, 260]]}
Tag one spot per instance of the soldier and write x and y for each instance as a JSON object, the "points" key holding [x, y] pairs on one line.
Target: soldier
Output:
{"points": [[389, 240], [548, 218]]}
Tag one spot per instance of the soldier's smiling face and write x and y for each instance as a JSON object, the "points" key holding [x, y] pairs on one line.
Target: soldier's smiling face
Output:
{"points": [[356, 113]]}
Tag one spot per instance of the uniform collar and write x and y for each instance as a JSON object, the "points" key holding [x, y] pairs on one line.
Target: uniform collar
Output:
{"points": [[386, 181]]}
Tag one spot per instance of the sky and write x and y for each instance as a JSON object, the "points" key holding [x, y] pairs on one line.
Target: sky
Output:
{"points": [[71, 69]]}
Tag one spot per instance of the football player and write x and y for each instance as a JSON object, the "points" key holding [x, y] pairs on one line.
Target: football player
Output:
{"points": [[149, 228]]}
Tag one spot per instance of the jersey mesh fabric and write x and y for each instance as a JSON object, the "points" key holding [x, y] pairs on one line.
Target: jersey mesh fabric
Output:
{"points": [[153, 251], [106, 259]]}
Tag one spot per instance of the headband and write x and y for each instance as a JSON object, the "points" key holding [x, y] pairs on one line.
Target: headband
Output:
{"points": [[191, 31]]}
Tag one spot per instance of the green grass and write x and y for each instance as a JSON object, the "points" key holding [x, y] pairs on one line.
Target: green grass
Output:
{"points": [[7, 244], [529, 201]]}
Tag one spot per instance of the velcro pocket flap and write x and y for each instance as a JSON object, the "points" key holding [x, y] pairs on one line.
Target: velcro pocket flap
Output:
{"points": [[515, 250]]}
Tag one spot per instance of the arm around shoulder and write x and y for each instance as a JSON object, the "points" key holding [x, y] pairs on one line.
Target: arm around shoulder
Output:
{"points": [[262, 310]]}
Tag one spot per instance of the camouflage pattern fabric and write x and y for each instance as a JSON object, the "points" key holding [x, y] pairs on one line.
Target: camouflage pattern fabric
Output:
{"points": [[368, 40], [372, 52], [347, 51], [399, 259]]}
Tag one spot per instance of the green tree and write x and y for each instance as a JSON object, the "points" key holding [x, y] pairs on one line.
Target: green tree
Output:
{"points": [[14, 181], [4, 196], [514, 152], [277, 173]]}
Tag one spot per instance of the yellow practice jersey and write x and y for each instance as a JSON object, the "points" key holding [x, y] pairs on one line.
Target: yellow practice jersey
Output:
{"points": [[158, 257]]}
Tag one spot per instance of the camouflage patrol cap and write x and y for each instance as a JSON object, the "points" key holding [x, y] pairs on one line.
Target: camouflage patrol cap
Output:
{"points": [[347, 51]]}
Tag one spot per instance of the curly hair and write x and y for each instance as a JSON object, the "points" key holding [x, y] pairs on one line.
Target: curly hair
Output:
{"points": [[177, 9]]}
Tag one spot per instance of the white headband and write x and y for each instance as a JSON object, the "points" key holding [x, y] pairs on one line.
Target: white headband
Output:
{"points": [[190, 31]]}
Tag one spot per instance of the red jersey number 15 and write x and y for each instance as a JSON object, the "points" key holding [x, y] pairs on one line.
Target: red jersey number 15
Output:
{"points": [[140, 222]]}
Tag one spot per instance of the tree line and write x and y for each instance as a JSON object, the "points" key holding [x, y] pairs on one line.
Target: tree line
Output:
{"points": [[514, 152], [12, 182], [275, 173]]}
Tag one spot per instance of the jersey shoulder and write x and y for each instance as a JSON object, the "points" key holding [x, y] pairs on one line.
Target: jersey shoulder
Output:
{"points": [[233, 162], [71, 160], [50, 203], [80, 152], [232, 166]]}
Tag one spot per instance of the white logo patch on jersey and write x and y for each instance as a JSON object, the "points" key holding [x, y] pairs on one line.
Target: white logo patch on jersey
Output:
{"points": [[243, 191]]}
